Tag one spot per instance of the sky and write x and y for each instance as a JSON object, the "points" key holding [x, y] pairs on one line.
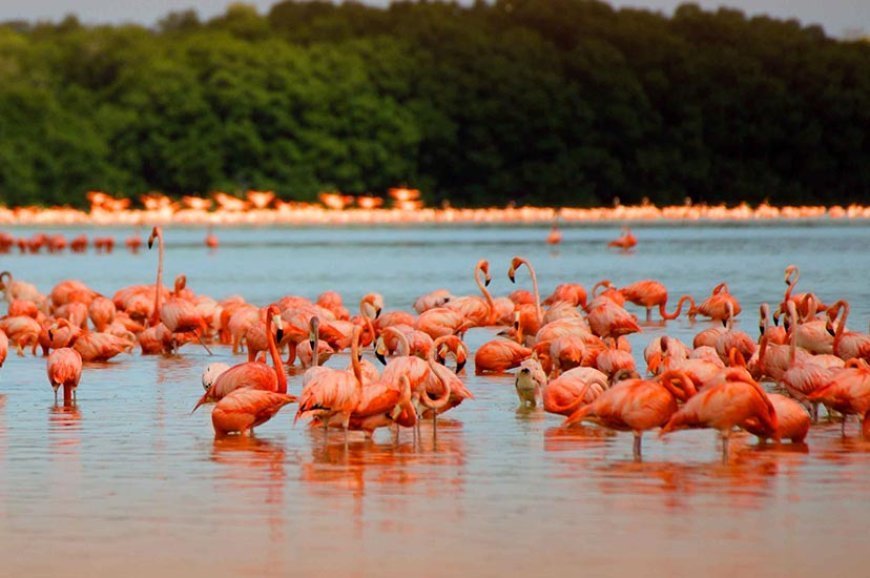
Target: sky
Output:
{"points": [[837, 17]]}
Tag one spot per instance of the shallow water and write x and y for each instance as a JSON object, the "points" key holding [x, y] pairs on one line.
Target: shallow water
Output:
{"points": [[130, 483]]}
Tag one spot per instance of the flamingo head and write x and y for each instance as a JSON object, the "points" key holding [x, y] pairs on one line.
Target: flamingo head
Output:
{"points": [[156, 233], [381, 350], [483, 265], [313, 332]]}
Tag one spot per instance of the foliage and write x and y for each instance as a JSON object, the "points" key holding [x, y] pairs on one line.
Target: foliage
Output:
{"points": [[564, 102]]}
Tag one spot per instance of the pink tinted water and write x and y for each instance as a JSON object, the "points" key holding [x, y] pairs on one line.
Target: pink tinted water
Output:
{"points": [[131, 484]]}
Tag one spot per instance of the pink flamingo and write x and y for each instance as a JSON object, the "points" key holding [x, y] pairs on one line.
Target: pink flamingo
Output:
{"points": [[64, 368], [241, 410], [637, 405], [848, 392], [847, 344], [626, 241], [650, 293], [329, 393], [530, 324], [254, 375], [574, 388], [733, 401], [479, 311]]}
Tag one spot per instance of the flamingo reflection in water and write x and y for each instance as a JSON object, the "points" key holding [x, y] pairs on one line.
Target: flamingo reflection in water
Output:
{"points": [[250, 466]]}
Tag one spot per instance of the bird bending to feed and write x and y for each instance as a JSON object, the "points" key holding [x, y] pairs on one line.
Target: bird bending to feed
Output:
{"points": [[64, 368]]}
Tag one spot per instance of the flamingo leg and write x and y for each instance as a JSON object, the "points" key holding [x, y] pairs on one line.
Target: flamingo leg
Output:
{"points": [[843, 426], [814, 414], [638, 437], [725, 439], [648, 314], [202, 341], [55, 396], [434, 425]]}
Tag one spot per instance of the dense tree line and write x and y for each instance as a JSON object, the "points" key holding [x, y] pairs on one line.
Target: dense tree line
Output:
{"points": [[540, 101]]}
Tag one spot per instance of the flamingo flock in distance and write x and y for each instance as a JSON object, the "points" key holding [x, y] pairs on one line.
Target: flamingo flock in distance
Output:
{"points": [[402, 205], [568, 353]]}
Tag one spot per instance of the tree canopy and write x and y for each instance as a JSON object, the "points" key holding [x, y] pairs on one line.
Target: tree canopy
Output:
{"points": [[560, 102]]}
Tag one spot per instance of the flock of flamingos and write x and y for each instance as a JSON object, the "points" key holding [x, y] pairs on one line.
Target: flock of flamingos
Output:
{"points": [[569, 351], [401, 205]]}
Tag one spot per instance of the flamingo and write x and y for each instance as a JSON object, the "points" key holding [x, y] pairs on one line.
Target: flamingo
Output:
{"points": [[253, 374], [64, 368], [305, 349], [719, 306], [99, 346], [846, 344], [572, 293], [479, 311], [626, 241], [328, 393], [531, 324], [810, 373], [157, 233], [637, 405], [102, 312], [440, 321], [607, 319], [811, 333], [180, 315], [499, 355], [576, 387], [730, 403], [4, 347], [22, 331], [776, 334], [792, 421], [241, 410], [437, 298], [792, 275], [554, 237], [650, 293], [848, 392], [211, 241], [395, 338]]}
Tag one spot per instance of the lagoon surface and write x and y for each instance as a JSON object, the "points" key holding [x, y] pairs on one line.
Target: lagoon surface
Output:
{"points": [[129, 483]]}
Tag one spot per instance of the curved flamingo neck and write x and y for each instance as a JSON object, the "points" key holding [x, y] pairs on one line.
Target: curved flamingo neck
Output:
{"points": [[678, 310], [158, 297], [842, 314], [538, 311], [354, 359], [368, 321], [276, 356], [486, 295], [791, 280], [792, 344], [404, 345], [441, 401]]}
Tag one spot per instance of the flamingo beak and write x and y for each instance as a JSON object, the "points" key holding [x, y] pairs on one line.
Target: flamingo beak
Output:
{"points": [[279, 331], [50, 335], [724, 323], [511, 275], [761, 329], [786, 325], [830, 329], [487, 281], [459, 366], [377, 312]]}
